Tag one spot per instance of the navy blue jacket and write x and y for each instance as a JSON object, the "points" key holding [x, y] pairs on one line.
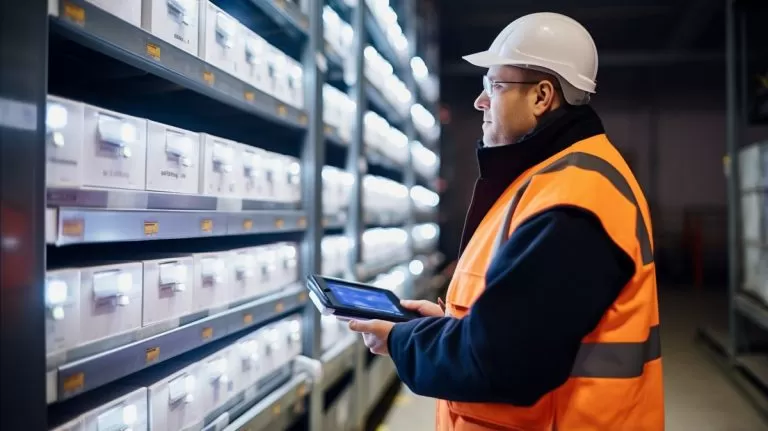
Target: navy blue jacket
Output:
{"points": [[546, 289]]}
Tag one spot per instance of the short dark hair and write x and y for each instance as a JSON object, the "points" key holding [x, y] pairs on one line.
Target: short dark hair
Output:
{"points": [[537, 75]]}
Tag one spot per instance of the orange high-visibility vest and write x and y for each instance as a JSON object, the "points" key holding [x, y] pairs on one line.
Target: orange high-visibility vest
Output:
{"points": [[616, 381]]}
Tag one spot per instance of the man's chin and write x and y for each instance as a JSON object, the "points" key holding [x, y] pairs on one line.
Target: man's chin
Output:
{"points": [[490, 142]]}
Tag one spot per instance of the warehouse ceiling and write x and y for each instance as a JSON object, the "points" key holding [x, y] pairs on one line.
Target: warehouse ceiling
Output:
{"points": [[635, 39]]}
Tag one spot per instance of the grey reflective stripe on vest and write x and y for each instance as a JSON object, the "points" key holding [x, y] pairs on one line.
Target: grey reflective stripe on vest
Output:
{"points": [[601, 360], [587, 162], [617, 360]]}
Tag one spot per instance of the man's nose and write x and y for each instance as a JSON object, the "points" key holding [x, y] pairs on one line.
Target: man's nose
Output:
{"points": [[482, 103]]}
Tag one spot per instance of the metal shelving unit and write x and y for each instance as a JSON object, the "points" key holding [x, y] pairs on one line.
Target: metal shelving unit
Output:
{"points": [[64, 47], [79, 371], [740, 347]]}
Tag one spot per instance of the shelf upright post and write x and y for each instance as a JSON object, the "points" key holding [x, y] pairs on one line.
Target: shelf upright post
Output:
{"points": [[356, 166], [23, 88], [735, 326], [409, 174], [313, 159]]}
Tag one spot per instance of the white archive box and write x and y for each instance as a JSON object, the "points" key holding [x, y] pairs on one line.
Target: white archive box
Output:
{"points": [[331, 177], [110, 300], [274, 347], [287, 265], [175, 402], [335, 252], [277, 76], [175, 21], [754, 214], [243, 273], [753, 166], [220, 166], [283, 178], [64, 142], [291, 331], [247, 361], [266, 260], [295, 82], [216, 385], [395, 146], [292, 172], [254, 173], [62, 306], [221, 39], [252, 62], [128, 10], [168, 289], [756, 271], [212, 287], [129, 412], [330, 329], [114, 150], [173, 159], [332, 28], [333, 105]]}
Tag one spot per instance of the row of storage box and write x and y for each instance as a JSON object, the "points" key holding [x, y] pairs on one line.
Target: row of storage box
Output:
{"points": [[380, 246], [183, 399], [754, 216], [94, 147], [204, 30], [755, 260], [753, 179], [85, 305], [753, 166]]}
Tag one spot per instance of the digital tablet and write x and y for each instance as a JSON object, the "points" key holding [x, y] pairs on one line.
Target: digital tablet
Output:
{"points": [[346, 299]]}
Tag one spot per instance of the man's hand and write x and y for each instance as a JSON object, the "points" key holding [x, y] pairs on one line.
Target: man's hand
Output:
{"points": [[423, 307], [375, 334]]}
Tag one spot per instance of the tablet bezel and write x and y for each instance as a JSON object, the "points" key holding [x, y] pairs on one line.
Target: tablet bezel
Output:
{"points": [[318, 285]]}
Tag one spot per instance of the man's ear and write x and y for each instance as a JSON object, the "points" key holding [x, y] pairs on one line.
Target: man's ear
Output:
{"points": [[546, 97]]}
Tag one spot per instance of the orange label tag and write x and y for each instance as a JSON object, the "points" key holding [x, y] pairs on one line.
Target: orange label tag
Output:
{"points": [[209, 78], [152, 355], [74, 12], [206, 225], [247, 224], [153, 51], [207, 333], [151, 228], [73, 227], [248, 319], [74, 382], [249, 96], [279, 307]]}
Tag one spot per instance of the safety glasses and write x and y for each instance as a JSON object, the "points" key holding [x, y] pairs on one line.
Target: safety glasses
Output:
{"points": [[489, 85]]}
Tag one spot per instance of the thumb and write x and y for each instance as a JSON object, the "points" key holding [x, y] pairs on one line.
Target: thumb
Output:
{"points": [[360, 325]]}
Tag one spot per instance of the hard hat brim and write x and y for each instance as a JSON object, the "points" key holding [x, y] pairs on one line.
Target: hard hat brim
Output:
{"points": [[487, 59]]}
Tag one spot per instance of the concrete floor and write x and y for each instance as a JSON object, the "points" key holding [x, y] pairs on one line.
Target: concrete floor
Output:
{"points": [[698, 396]]}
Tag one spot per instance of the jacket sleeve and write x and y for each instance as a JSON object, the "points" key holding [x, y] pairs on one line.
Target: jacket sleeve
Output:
{"points": [[546, 289]]}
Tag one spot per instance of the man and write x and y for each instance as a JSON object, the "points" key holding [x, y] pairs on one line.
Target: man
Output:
{"points": [[552, 315]]}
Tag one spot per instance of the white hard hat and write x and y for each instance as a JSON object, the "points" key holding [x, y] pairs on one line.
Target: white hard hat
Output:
{"points": [[548, 42]]}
